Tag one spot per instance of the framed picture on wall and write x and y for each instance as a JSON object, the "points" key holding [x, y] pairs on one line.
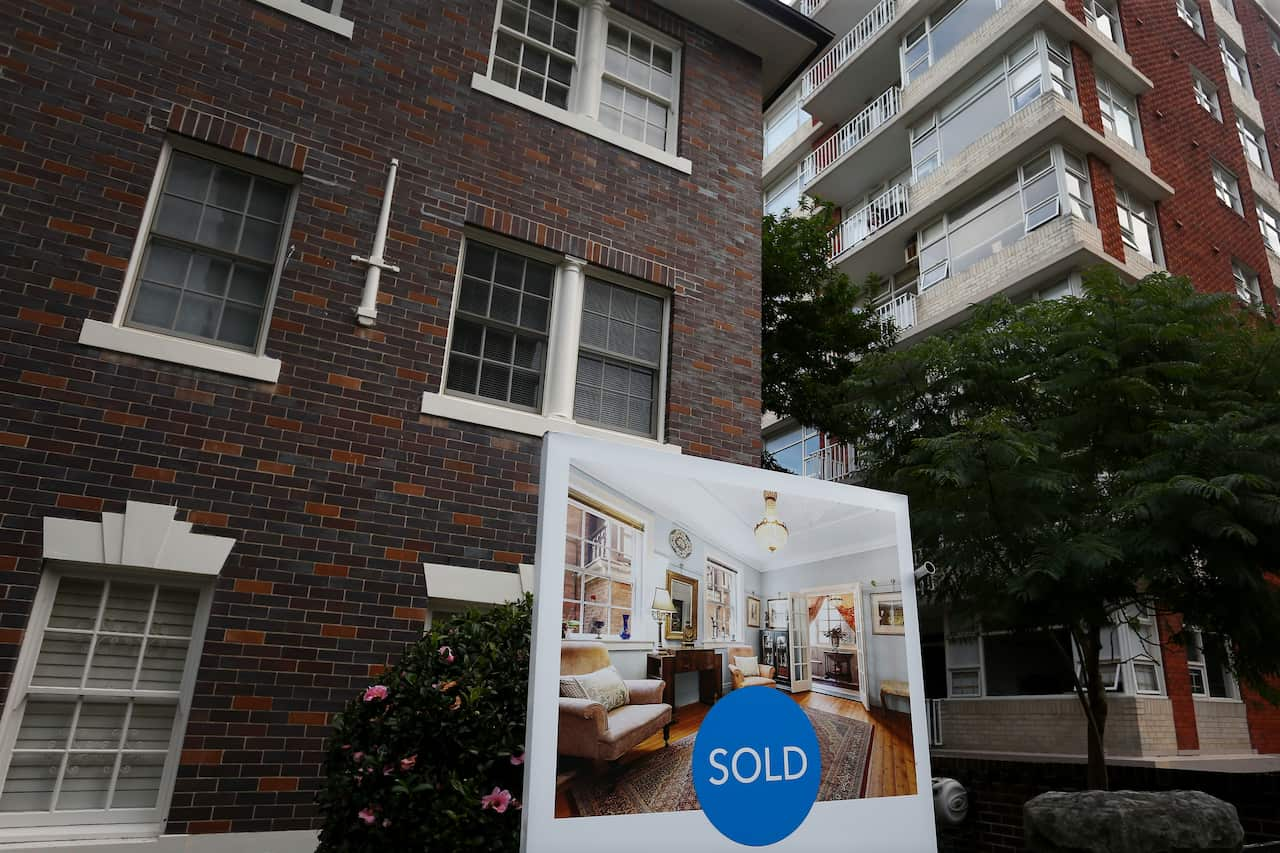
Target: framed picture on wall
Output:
{"points": [[777, 613], [886, 613], [753, 612]]}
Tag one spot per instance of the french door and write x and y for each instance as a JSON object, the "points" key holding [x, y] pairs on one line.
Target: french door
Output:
{"points": [[798, 628]]}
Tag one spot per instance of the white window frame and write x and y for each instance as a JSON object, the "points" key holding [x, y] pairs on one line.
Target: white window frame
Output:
{"points": [[1189, 12], [612, 516], [1132, 209], [1254, 142], [735, 595], [1206, 94], [1195, 647], [784, 118], [791, 181], [1275, 39], [1248, 288], [563, 333], [1269, 224], [1111, 99], [1235, 62], [118, 335], [587, 80], [331, 20], [98, 823], [1110, 10], [1226, 186], [929, 25]]}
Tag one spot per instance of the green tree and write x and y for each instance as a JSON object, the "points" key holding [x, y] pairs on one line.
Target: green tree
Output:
{"points": [[813, 324], [1068, 459]]}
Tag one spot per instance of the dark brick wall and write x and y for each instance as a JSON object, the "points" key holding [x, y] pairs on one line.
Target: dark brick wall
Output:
{"points": [[997, 790], [1200, 234], [333, 483]]}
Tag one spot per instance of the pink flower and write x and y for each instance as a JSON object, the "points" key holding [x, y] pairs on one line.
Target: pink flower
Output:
{"points": [[517, 760], [387, 768], [357, 756], [375, 691], [498, 800], [407, 763], [367, 815], [446, 654]]}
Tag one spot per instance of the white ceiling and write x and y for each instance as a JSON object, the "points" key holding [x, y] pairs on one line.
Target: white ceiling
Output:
{"points": [[725, 515]]}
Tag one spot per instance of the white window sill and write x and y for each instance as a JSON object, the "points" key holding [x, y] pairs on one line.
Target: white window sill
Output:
{"points": [[310, 14], [614, 644], [528, 423], [179, 351], [583, 123]]}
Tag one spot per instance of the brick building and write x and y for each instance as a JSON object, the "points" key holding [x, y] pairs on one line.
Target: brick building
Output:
{"points": [[986, 147], [236, 423]]}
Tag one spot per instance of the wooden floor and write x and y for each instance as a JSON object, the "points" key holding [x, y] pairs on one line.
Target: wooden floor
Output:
{"points": [[893, 763]]}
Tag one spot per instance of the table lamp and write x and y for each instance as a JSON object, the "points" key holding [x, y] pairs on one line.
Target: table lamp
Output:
{"points": [[661, 609]]}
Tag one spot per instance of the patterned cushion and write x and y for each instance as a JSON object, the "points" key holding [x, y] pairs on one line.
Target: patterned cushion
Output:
{"points": [[749, 667], [570, 688], [606, 687]]}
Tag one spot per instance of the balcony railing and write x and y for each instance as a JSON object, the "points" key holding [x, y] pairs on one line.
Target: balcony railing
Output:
{"points": [[848, 137], [809, 6], [875, 20], [901, 310], [870, 218], [833, 462]]}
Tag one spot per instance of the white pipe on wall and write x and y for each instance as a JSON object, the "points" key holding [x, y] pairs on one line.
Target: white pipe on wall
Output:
{"points": [[368, 310]]}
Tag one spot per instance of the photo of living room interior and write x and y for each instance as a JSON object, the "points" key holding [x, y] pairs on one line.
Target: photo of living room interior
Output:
{"points": [[688, 564]]}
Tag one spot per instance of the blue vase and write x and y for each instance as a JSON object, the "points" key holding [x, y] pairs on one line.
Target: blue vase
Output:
{"points": [[626, 627]]}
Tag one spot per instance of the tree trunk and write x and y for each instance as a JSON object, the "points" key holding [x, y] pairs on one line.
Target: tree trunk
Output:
{"points": [[1094, 700]]}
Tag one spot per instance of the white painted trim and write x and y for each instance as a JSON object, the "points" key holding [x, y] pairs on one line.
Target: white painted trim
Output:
{"points": [[140, 342], [460, 585], [528, 423], [579, 122], [151, 539], [310, 14], [131, 839]]}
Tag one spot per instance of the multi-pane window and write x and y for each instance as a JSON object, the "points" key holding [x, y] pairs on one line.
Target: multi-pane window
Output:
{"points": [[1103, 17], [1040, 198], [1234, 60], [638, 87], [1254, 143], [499, 341], [93, 729], [599, 572], [1227, 188], [1246, 282], [1137, 224], [535, 48], [779, 127], [546, 49], [1275, 40], [210, 262], [1206, 94], [783, 194], [1189, 12], [1209, 665], [938, 34], [1079, 195], [1119, 111], [721, 597], [619, 358], [791, 448], [1269, 222]]}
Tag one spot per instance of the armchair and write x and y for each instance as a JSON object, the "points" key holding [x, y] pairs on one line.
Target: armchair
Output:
{"points": [[587, 730], [764, 679]]}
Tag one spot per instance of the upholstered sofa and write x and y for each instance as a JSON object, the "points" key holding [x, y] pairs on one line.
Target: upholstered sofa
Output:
{"points": [[764, 679], [587, 730]]}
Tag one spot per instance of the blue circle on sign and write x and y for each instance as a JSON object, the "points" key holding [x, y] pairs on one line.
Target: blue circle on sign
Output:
{"points": [[756, 766]]}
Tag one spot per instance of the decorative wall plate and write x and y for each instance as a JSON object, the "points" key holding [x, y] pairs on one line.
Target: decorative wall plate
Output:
{"points": [[680, 542]]}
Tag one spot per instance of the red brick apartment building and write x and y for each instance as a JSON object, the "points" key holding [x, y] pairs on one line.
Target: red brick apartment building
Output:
{"points": [[236, 423], [983, 147]]}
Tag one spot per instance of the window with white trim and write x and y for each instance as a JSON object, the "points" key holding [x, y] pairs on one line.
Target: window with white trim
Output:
{"points": [[1275, 40], [1189, 12], [1228, 5], [1119, 111], [1254, 143], [782, 122], [1138, 224], [1076, 178], [1226, 187], [1269, 222], [322, 13], [1104, 17], [505, 326], [1234, 59], [214, 250], [784, 193], [600, 568], [1206, 94], [939, 34], [722, 612], [97, 709], [1209, 664], [1246, 282], [597, 64]]}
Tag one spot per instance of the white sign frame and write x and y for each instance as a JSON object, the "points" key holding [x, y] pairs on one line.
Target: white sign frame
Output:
{"points": [[874, 824]]}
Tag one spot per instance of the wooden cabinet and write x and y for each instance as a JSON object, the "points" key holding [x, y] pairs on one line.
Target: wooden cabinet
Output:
{"points": [[774, 653], [706, 662]]}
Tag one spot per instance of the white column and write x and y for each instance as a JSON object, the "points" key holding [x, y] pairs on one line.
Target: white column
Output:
{"points": [[562, 357], [595, 32]]}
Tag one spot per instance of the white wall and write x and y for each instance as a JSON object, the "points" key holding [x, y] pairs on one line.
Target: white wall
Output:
{"points": [[886, 655]]}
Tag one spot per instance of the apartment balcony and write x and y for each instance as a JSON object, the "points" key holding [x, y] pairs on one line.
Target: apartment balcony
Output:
{"points": [[833, 462], [839, 16], [901, 310], [872, 238], [866, 60], [860, 131]]}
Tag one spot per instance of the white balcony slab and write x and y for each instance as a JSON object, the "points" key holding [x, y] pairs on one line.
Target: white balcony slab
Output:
{"points": [[1244, 101]]}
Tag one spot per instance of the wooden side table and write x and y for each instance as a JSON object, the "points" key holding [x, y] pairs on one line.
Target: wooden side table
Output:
{"points": [[706, 662]]}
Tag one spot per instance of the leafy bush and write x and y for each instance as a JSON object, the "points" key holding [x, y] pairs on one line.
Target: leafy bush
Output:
{"points": [[427, 757]]}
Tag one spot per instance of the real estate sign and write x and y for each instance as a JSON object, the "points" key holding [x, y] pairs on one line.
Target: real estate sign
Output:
{"points": [[722, 656]]}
